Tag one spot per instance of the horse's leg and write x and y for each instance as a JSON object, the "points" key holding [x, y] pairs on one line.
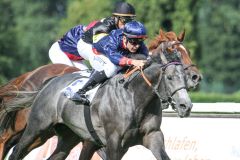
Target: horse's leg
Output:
{"points": [[36, 131], [1, 150], [67, 139], [28, 142], [102, 153], [88, 150], [154, 141], [11, 142], [113, 149], [21, 149], [64, 146]]}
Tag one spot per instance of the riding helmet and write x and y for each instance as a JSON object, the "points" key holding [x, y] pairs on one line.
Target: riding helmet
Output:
{"points": [[135, 29], [124, 9]]}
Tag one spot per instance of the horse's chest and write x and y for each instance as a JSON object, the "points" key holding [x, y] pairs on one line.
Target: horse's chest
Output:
{"points": [[131, 136]]}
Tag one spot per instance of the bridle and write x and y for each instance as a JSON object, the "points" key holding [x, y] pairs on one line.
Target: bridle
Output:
{"points": [[173, 43], [165, 49], [185, 67], [168, 99]]}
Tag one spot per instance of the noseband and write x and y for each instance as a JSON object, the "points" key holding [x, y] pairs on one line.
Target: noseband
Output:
{"points": [[168, 100]]}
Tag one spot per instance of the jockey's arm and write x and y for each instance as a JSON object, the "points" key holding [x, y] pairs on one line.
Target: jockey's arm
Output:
{"points": [[105, 26]]}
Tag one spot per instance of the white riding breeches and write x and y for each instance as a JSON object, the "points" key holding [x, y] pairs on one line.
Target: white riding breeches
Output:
{"points": [[85, 49], [56, 55], [98, 61]]}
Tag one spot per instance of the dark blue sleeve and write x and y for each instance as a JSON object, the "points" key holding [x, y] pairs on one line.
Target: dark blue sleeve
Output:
{"points": [[110, 46]]}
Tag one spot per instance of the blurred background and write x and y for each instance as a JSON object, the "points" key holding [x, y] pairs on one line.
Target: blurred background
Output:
{"points": [[29, 27]]}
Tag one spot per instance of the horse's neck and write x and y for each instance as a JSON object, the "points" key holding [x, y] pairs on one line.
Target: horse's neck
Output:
{"points": [[143, 93]]}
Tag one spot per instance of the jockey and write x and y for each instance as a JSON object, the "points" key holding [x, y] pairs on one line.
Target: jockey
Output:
{"points": [[67, 49], [110, 55], [122, 13]]}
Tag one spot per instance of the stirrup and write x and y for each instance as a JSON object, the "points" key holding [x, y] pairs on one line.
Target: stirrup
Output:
{"points": [[81, 92], [80, 98]]}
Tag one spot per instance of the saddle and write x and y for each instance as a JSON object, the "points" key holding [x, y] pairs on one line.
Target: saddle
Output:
{"points": [[77, 84]]}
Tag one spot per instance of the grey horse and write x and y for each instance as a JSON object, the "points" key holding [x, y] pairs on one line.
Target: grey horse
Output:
{"points": [[121, 113]]}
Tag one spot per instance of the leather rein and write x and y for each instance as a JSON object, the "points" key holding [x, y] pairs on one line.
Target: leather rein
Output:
{"points": [[169, 99]]}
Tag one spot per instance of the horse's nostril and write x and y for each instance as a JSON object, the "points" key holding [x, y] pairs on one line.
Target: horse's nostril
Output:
{"points": [[183, 106], [196, 78]]}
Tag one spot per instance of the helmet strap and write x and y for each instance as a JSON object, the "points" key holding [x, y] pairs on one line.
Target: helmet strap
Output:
{"points": [[125, 43], [117, 19]]}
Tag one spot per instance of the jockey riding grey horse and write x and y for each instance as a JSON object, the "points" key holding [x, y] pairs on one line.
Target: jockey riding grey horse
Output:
{"points": [[120, 116]]}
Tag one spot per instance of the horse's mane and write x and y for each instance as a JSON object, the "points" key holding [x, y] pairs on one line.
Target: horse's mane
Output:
{"points": [[9, 108], [165, 36], [11, 98], [21, 100], [7, 93], [12, 85]]}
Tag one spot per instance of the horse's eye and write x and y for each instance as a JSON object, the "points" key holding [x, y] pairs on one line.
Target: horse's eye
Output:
{"points": [[169, 77]]}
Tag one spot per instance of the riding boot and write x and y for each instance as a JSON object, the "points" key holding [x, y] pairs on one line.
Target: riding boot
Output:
{"points": [[95, 78]]}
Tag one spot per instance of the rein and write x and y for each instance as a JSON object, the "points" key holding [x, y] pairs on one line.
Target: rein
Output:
{"points": [[169, 99], [189, 66]]}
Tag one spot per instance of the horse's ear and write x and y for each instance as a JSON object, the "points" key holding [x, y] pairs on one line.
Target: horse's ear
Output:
{"points": [[181, 36], [161, 33]]}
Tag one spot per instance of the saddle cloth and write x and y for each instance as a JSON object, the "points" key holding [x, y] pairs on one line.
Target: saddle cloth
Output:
{"points": [[71, 89]]}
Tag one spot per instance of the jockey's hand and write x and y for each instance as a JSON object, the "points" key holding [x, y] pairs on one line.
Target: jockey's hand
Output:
{"points": [[138, 63]]}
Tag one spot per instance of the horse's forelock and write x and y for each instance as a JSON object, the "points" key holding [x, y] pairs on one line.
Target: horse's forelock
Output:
{"points": [[171, 36], [162, 37]]}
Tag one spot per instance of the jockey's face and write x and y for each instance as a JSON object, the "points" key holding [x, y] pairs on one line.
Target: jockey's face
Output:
{"points": [[123, 20], [120, 24], [131, 44]]}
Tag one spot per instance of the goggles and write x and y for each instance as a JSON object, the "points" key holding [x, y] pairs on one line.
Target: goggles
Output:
{"points": [[125, 20], [135, 41]]}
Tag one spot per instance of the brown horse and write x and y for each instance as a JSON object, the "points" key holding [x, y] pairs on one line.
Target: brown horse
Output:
{"points": [[34, 80], [13, 123], [193, 74]]}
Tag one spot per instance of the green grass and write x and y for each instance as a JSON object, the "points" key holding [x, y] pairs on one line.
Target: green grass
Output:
{"points": [[214, 97]]}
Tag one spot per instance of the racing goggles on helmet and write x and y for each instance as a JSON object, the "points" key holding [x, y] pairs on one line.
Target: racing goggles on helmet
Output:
{"points": [[126, 19], [135, 41]]}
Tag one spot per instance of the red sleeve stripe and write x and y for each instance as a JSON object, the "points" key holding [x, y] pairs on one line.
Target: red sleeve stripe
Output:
{"points": [[125, 61], [95, 51]]}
